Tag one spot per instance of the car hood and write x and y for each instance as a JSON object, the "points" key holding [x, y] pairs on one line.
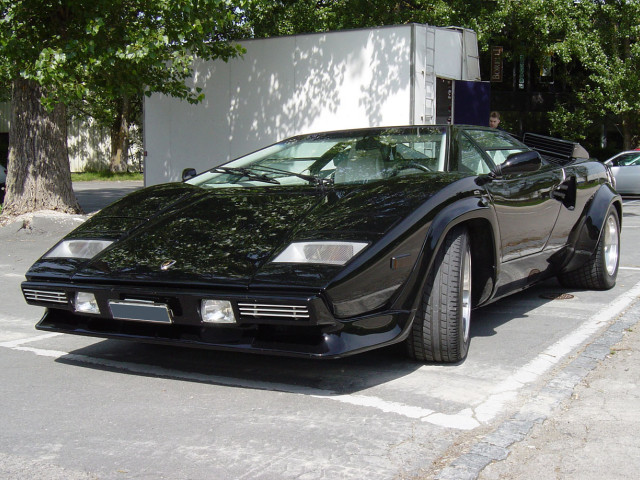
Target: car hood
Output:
{"points": [[224, 237]]}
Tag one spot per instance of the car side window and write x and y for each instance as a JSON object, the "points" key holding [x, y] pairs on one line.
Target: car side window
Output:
{"points": [[470, 158], [627, 160], [496, 143]]}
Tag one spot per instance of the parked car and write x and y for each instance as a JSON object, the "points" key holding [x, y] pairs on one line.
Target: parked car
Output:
{"points": [[626, 171], [335, 243]]}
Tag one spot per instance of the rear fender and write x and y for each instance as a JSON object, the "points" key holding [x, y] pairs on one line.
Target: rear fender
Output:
{"points": [[584, 238]]}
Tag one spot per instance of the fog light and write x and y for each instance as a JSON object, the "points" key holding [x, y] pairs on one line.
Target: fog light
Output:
{"points": [[86, 303], [217, 311]]}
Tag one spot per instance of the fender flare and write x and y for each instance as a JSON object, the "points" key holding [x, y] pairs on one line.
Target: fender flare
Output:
{"points": [[585, 236], [467, 210]]}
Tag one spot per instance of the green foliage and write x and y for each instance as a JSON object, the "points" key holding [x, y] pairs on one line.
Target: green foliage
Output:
{"points": [[91, 54], [594, 43], [284, 17], [605, 41], [88, 51]]}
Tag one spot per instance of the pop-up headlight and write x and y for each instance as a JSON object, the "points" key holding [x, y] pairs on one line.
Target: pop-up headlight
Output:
{"points": [[332, 253], [78, 248]]}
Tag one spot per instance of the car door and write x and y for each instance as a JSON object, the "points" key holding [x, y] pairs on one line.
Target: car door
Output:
{"points": [[524, 203], [626, 170]]}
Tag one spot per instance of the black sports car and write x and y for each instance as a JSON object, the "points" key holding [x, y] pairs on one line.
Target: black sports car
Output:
{"points": [[335, 243]]}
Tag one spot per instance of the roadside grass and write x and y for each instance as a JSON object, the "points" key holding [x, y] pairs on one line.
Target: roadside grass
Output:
{"points": [[105, 176]]}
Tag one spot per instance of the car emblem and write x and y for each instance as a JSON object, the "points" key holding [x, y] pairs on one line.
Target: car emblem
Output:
{"points": [[167, 264]]}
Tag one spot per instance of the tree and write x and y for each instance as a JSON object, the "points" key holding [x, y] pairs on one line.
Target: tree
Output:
{"points": [[285, 17], [605, 42], [594, 44], [115, 115], [61, 53]]}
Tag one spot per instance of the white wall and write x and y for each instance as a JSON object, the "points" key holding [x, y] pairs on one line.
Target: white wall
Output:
{"points": [[281, 87], [89, 146], [299, 84]]}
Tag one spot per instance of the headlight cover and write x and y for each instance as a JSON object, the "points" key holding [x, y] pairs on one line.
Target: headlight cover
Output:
{"points": [[81, 248], [331, 253]]}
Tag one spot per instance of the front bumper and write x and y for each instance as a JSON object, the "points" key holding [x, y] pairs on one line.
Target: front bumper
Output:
{"points": [[307, 328]]}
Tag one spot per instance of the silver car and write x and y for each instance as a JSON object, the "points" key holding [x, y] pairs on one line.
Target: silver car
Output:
{"points": [[626, 170]]}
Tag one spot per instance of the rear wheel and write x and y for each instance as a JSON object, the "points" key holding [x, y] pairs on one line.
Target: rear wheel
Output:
{"points": [[601, 271], [441, 328]]}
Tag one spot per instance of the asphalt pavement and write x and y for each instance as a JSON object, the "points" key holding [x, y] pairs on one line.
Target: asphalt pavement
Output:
{"points": [[93, 196], [593, 434], [581, 424]]}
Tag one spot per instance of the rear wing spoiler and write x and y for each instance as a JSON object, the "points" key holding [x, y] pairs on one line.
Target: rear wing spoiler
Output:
{"points": [[555, 150]]}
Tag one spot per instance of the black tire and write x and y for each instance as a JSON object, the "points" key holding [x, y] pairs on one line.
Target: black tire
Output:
{"points": [[440, 330], [601, 271]]}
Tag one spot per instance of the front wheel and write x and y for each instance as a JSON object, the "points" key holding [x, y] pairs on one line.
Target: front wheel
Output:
{"points": [[440, 330], [601, 271]]}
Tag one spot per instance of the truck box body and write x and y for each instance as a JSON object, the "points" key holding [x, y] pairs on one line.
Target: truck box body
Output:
{"points": [[298, 84]]}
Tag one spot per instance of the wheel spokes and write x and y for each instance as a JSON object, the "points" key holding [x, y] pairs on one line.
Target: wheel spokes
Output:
{"points": [[611, 242], [466, 294]]}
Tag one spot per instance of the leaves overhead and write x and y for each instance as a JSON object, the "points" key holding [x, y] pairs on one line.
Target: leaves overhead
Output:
{"points": [[103, 49], [595, 43], [87, 53]]}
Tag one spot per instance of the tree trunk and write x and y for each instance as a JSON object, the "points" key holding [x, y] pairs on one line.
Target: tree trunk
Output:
{"points": [[120, 138], [627, 131], [628, 119], [38, 173]]}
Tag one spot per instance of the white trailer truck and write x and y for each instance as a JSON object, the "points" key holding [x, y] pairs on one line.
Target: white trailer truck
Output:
{"points": [[400, 75]]}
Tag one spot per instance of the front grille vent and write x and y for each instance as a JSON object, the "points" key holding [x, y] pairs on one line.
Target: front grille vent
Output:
{"points": [[262, 310], [46, 296]]}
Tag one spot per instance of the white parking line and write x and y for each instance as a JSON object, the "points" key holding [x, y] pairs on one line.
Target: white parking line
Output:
{"points": [[543, 362], [465, 419], [21, 341]]}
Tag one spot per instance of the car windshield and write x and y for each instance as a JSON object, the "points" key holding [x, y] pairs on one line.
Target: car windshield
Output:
{"points": [[335, 158]]}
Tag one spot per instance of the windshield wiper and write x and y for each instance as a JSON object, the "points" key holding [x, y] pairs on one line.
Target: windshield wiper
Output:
{"points": [[315, 179], [245, 172]]}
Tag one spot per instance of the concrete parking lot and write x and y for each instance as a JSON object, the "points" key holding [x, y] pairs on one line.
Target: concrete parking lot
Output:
{"points": [[76, 407]]}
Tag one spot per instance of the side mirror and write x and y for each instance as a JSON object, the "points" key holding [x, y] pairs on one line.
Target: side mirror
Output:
{"points": [[188, 173], [521, 162]]}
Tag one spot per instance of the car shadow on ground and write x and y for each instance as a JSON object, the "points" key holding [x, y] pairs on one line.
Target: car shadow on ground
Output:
{"points": [[246, 370], [297, 375], [488, 319]]}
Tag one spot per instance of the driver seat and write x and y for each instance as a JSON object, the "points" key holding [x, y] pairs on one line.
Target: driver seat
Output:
{"points": [[360, 166]]}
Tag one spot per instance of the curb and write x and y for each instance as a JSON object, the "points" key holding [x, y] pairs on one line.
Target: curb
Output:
{"points": [[494, 446]]}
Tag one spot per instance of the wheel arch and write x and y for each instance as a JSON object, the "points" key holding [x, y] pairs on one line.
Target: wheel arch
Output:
{"points": [[482, 225], [586, 234]]}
